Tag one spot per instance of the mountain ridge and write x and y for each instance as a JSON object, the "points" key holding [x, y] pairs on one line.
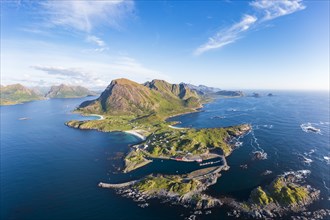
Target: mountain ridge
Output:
{"points": [[67, 91], [17, 94], [123, 96]]}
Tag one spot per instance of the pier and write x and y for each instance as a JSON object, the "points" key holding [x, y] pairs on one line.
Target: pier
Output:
{"points": [[117, 185]]}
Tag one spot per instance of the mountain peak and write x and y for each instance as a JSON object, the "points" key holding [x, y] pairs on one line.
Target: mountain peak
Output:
{"points": [[122, 81], [125, 97], [67, 91]]}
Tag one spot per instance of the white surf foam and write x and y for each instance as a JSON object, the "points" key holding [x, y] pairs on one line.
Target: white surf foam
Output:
{"points": [[307, 160], [300, 174], [311, 128]]}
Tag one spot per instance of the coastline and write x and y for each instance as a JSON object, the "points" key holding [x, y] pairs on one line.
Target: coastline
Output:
{"points": [[174, 127], [101, 117], [136, 133]]}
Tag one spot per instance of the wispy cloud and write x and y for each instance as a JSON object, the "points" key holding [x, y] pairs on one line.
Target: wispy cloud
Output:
{"points": [[265, 10], [71, 72], [86, 15], [102, 46], [227, 36], [274, 9], [96, 40], [101, 74]]}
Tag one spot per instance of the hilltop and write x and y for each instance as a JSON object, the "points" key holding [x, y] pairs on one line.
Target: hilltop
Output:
{"points": [[66, 91], [16, 94], [125, 97], [212, 92]]}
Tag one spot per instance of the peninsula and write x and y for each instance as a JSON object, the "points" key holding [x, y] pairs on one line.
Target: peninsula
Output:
{"points": [[142, 110]]}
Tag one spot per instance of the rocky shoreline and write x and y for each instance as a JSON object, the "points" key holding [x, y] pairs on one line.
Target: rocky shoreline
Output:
{"points": [[192, 197], [285, 195]]}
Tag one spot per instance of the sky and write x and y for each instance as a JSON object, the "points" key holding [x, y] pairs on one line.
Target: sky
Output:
{"points": [[257, 44]]}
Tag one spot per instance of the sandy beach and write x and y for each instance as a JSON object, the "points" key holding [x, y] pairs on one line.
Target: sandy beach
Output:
{"points": [[137, 133], [171, 126], [101, 117]]}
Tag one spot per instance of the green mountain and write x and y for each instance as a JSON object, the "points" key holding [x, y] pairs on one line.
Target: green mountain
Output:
{"points": [[16, 94], [230, 93], [65, 91], [125, 97]]}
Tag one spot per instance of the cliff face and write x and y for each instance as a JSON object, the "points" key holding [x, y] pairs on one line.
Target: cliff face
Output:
{"points": [[65, 91], [16, 93], [124, 97]]}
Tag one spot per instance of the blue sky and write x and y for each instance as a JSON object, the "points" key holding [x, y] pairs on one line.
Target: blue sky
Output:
{"points": [[253, 44]]}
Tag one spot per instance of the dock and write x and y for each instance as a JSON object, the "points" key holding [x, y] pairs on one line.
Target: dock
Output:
{"points": [[117, 185]]}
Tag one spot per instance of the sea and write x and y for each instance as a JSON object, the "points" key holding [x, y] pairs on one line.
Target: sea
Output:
{"points": [[50, 171]]}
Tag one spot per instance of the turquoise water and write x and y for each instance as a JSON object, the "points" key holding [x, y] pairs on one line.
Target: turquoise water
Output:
{"points": [[50, 171]]}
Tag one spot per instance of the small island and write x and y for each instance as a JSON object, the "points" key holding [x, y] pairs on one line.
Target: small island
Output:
{"points": [[287, 193]]}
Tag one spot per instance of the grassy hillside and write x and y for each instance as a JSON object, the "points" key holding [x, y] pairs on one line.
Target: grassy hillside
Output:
{"points": [[16, 94], [125, 97], [66, 91]]}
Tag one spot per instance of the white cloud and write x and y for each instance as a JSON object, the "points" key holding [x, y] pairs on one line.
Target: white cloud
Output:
{"points": [[228, 35], [266, 10], [100, 74], [274, 9], [86, 15], [95, 40], [102, 46], [57, 64]]}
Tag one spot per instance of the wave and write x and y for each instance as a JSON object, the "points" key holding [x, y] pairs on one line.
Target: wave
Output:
{"points": [[310, 152], [263, 126], [327, 159], [300, 174], [254, 142], [307, 160], [304, 157], [311, 127], [325, 185], [259, 155]]}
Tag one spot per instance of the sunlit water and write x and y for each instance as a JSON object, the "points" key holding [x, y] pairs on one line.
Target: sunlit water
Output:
{"points": [[51, 171]]}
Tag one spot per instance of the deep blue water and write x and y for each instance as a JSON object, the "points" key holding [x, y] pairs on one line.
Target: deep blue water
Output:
{"points": [[50, 171]]}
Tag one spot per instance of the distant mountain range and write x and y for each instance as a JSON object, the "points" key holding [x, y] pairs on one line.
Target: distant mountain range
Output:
{"points": [[122, 96], [65, 91], [201, 89], [17, 93], [212, 91], [125, 97]]}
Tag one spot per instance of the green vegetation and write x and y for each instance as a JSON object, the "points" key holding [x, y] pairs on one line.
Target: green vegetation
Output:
{"points": [[110, 123], [163, 141], [173, 184], [169, 142], [287, 193], [259, 196], [128, 105], [134, 160], [65, 91], [281, 191], [125, 97], [16, 94]]}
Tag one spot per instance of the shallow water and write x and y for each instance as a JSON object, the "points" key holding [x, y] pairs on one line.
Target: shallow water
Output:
{"points": [[51, 171]]}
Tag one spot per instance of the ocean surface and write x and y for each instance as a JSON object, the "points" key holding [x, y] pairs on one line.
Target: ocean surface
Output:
{"points": [[51, 171]]}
